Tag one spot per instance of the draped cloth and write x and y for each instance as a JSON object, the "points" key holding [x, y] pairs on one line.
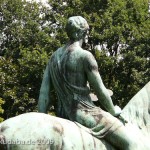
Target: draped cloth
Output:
{"points": [[74, 103]]}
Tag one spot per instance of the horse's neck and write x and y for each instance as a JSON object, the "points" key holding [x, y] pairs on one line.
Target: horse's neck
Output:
{"points": [[137, 111]]}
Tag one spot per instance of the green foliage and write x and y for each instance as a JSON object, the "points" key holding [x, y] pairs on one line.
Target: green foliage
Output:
{"points": [[30, 32], [21, 82], [24, 24], [1, 110], [25, 48]]}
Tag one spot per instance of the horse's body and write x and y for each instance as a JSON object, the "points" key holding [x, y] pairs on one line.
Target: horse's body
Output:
{"points": [[55, 133], [33, 131]]}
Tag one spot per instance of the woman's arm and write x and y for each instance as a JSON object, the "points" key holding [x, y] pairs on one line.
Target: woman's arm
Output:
{"points": [[45, 91], [94, 78]]}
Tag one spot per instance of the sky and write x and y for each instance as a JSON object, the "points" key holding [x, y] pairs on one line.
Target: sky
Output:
{"points": [[43, 1]]}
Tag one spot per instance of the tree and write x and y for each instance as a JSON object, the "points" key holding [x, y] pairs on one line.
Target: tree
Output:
{"points": [[1, 110], [25, 48], [30, 32]]}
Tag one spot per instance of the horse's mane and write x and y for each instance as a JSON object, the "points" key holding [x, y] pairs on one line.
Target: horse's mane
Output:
{"points": [[137, 111]]}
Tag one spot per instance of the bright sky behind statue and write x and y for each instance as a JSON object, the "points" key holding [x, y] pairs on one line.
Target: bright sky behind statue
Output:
{"points": [[43, 1]]}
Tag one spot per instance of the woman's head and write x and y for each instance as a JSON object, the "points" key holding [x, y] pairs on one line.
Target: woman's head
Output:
{"points": [[77, 28]]}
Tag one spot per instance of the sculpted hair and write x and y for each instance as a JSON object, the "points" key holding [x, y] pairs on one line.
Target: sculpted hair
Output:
{"points": [[76, 28]]}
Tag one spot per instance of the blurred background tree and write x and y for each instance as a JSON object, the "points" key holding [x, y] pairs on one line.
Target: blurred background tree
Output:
{"points": [[25, 47], [119, 38]]}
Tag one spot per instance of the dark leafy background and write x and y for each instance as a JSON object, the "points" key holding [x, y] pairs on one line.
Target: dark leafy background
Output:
{"points": [[31, 32]]}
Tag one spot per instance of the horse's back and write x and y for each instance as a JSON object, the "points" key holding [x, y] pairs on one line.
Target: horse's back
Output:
{"points": [[44, 132]]}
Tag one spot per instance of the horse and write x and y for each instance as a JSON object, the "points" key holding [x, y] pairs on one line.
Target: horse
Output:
{"points": [[39, 131]]}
